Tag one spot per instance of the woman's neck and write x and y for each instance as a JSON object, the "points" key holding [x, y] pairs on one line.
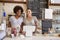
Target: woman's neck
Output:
{"points": [[17, 16], [29, 18]]}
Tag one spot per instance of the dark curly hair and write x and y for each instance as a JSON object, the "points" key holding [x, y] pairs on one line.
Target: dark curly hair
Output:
{"points": [[16, 8]]}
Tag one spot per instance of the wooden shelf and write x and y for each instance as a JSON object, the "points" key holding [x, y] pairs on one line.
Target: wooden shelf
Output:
{"points": [[13, 1]]}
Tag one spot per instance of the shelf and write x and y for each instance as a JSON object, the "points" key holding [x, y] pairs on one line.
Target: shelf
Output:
{"points": [[53, 4], [13, 1], [56, 21], [44, 2], [56, 13]]}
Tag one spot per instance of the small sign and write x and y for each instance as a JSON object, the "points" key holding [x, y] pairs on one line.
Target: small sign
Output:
{"points": [[48, 13], [29, 30]]}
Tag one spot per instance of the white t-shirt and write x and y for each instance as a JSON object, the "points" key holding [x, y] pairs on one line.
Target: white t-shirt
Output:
{"points": [[15, 22]]}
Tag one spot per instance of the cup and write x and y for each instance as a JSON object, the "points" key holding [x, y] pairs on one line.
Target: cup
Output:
{"points": [[12, 35]]}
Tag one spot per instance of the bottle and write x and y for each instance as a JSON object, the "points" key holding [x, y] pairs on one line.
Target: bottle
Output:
{"points": [[4, 15], [4, 19]]}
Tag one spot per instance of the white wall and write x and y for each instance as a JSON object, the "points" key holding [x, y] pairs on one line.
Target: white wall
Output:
{"points": [[8, 7], [0, 12]]}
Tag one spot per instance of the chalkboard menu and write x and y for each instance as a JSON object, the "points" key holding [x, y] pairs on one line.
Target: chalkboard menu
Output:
{"points": [[36, 6], [46, 24]]}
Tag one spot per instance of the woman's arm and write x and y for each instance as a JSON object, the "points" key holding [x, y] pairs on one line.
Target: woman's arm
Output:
{"points": [[36, 21], [9, 24], [21, 27]]}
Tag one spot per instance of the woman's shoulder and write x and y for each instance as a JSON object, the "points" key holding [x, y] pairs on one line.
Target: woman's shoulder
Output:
{"points": [[34, 17], [21, 17], [12, 17]]}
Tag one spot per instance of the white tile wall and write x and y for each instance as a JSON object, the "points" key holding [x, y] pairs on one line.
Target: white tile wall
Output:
{"points": [[9, 7], [0, 12]]}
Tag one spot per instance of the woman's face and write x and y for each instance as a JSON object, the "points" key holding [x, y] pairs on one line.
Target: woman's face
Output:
{"points": [[18, 13], [29, 12]]}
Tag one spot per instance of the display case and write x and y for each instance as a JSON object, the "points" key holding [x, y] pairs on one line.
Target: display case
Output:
{"points": [[56, 18]]}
